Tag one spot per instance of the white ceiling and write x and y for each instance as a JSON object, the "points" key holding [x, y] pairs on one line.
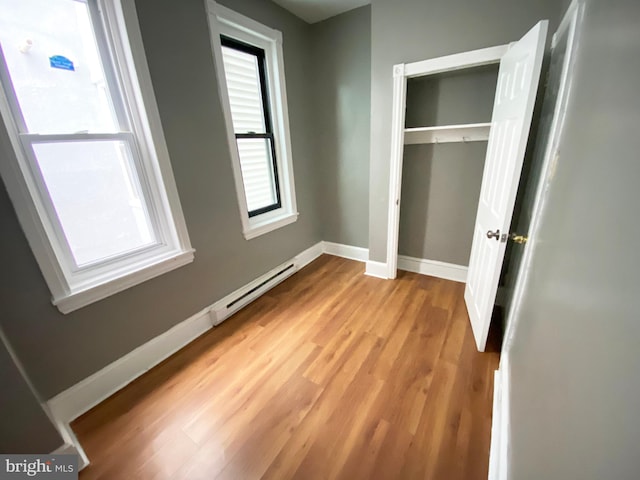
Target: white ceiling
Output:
{"points": [[313, 11]]}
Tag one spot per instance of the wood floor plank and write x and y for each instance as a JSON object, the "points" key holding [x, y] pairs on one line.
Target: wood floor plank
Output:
{"points": [[267, 432], [333, 443], [360, 463], [220, 413], [315, 425], [330, 375], [458, 327], [423, 452], [402, 329], [392, 456]]}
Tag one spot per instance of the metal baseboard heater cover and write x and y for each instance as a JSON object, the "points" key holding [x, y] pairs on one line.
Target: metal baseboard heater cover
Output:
{"points": [[257, 287], [231, 304]]}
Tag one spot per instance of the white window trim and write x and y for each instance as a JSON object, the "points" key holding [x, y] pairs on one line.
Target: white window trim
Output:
{"points": [[225, 21], [72, 291]]}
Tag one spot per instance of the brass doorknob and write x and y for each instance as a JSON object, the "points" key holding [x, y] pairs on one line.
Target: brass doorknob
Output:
{"points": [[518, 238], [495, 234]]}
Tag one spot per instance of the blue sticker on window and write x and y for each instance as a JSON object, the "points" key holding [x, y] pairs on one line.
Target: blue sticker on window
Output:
{"points": [[63, 63]]}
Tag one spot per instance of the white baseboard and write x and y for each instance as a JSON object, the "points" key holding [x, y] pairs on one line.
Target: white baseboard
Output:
{"points": [[433, 268], [498, 453], [71, 446], [65, 449], [376, 269], [346, 251], [448, 271], [78, 399], [68, 449], [309, 255]]}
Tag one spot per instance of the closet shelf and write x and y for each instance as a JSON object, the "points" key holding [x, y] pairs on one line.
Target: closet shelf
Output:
{"points": [[473, 132]]}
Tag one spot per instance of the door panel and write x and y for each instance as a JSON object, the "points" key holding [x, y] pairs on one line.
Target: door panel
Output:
{"points": [[512, 112]]}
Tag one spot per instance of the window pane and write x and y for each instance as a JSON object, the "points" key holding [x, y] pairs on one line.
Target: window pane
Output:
{"points": [[95, 193], [53, 61], [257, 172], [245, 97]]}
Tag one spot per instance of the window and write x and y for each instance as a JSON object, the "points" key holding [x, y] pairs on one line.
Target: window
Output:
{"points": [[248, 57], [245, 73], [93, 187]]}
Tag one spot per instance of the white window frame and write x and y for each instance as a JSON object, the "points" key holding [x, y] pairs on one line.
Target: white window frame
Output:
{"points": [[73, 287], [223, 21]]}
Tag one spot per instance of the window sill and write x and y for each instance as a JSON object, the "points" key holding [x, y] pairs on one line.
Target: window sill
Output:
{"points": [[79, 298], [268, 225]]}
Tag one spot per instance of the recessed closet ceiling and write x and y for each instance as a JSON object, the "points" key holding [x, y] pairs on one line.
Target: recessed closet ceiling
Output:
{"points": [[313, 11]]}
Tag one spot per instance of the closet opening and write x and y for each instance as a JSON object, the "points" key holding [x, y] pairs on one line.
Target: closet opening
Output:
{"points": [[446, 129]]}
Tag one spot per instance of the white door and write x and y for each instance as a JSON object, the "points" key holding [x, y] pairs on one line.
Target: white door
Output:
{"points": [[512, 111]]}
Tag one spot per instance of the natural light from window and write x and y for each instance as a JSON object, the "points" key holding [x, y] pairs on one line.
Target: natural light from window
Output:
{"points": [[55, 67]]}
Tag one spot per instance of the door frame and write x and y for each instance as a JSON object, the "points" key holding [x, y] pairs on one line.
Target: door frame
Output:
{"points": [[402, 72], [499, 467], [569, 25]]}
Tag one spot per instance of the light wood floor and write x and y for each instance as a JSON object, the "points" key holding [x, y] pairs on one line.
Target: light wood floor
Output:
{"points": [[332, 374]]}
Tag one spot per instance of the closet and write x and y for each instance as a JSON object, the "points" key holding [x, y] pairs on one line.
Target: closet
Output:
{"points": [[436, 129], [446, 129]]}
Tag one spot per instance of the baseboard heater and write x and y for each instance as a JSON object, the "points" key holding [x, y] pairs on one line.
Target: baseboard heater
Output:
{"points": [[257, 287], [241, 298]]}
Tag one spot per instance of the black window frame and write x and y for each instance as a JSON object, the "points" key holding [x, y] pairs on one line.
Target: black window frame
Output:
{"points": [[259, 53]]}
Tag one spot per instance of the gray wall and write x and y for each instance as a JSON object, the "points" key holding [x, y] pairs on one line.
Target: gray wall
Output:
{"points": [[342, 87], [440, 192], [464, 96], [575, 387], [441, 183], [24, 426], [412, 30], [59, 350]]}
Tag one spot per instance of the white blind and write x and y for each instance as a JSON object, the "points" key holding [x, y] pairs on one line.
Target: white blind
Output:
{"points": [[257, 172], [247, 112], [243, 85]]}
